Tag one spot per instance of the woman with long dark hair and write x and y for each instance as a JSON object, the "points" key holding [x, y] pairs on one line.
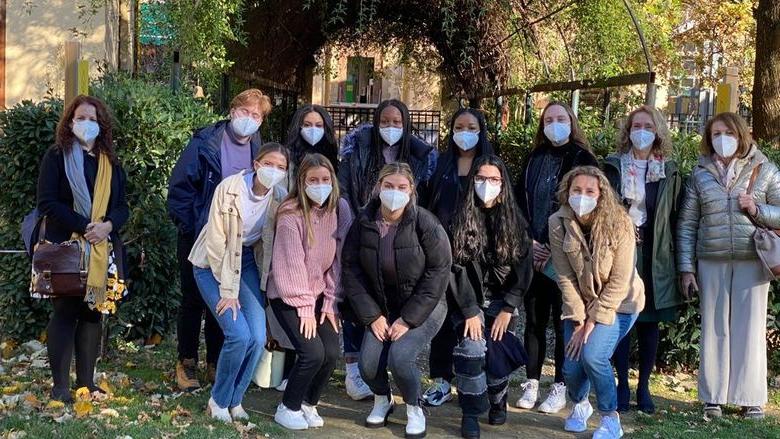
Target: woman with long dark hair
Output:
{"points": [[81, 193], [311, 132], [492, 259], [559, 146], [364, 152], [467, 142]]}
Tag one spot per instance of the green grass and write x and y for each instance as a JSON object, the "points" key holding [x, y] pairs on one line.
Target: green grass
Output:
{"points": [[144, 411], [692, 425]]}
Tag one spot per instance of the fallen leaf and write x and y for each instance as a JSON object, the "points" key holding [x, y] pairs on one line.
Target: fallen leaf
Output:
{"points": [[10, 390], [32, 401], [64, 418], [82, 393], [55, 405], [111, 413], [82, 408]]}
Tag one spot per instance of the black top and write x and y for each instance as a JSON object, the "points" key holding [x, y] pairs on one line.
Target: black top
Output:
{"points": [[537, 187], [423, 260]]}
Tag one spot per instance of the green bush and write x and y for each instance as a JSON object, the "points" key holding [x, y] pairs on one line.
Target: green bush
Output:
{"points": [[152, 126], [27, 132]]}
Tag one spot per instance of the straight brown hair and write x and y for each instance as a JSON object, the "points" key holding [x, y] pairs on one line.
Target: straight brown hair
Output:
{"points": [[737, 124]]}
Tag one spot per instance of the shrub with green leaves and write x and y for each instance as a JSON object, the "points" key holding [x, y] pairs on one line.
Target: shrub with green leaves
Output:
{"points": [[152, 126]]}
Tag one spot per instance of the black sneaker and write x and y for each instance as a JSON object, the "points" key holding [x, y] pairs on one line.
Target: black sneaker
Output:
{"points": [[713, 411], [753, 412], [497, 413]]}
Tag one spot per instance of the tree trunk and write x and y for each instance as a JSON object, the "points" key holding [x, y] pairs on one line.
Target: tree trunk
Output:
{"points": [[766, 86]]}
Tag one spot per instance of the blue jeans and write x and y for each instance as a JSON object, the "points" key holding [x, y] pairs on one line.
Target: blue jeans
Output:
{"points": [[594, 365], [244, 337]]}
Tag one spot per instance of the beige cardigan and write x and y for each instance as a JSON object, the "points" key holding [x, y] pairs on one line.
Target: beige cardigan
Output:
{"points": [[220, 242], [593, 288]]}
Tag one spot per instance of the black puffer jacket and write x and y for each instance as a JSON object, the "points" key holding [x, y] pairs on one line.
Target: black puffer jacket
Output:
{"points": [[544, 169], [423, 260]]}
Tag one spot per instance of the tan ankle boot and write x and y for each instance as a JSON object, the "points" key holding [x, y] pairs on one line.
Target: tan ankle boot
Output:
{"points": [[186, 375]]}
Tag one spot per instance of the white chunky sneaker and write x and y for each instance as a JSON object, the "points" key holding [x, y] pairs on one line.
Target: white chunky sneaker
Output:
{"points": [[357, 389], [217, 412], [383, 406], [289, 419], [312, 417], [577, 421], [610, 428], [556, 399], [415, 422], [530, 394], [239, 414], [282, 386], [439, 393]]}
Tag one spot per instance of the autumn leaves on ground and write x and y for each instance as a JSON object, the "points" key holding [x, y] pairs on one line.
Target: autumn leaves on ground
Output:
{"points": [[141, 402]]}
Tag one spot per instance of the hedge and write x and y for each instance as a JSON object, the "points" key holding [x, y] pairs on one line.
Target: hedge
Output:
{"points": [[152, 125]]}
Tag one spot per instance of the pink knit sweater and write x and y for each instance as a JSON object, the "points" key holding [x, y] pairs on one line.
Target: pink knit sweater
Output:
{"points": [[300, 272]]}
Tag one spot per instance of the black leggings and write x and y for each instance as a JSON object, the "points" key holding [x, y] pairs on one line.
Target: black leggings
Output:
{"points": [[543, 300], [440, 360], [315, 357], [647, 335], [73, 324]]}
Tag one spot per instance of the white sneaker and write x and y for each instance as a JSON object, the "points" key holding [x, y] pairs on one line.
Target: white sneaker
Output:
{"points": [[415, 422], [439, 393], [312, 417], [556, 399], [217, 412], [357, 389], [577, 421], [383, 406], [239, 414], [609, 429], [530, 394], [282, 386], [289, 419]]}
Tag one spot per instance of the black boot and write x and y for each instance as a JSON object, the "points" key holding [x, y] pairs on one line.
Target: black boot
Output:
{"points": [[497, 413], [87, 347], [623, 396], [644, 400], [469, 427]]}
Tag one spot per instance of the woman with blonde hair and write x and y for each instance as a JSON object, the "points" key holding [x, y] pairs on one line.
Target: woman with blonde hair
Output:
{"points": [[648, 183], [302, 284], [593, 246], [397, 261], [732, 189]]}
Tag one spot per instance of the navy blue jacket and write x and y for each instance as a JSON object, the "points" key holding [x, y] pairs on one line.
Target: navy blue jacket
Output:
{"points": [[196, 176]]}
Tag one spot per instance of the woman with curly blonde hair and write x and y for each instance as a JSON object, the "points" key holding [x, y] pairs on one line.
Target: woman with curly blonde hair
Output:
{"points": [[648, 183], [593, 246]]}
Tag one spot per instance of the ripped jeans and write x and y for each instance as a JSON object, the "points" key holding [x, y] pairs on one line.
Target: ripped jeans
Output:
{"points": [[478, 390]]}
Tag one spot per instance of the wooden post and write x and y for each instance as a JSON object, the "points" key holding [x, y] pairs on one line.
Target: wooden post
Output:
{"points": [[2, 52], [72, 57]]}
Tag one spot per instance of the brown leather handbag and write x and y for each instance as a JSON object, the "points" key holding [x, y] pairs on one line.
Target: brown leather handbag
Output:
{"points": [[58, 270]]}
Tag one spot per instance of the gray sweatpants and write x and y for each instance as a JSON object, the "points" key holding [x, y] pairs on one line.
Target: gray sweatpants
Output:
{"points": [[733, 298]]}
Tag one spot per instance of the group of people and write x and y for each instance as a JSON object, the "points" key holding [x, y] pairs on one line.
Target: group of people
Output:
{"points": [[386, 243]]}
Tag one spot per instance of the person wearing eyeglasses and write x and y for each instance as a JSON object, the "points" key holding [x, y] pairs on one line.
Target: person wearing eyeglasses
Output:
{"points": [[492, 257], [214, 153]]}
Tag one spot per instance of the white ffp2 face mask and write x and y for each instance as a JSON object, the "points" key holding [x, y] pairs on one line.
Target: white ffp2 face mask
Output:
{"points": [[86, 130], [465, 140], [312, 135], [393, 199], [269, 177], [725, 145], [391, 135], [558, 132], [582, 204], [244, 126], [642, 139], [487, 191], [318, 193]]}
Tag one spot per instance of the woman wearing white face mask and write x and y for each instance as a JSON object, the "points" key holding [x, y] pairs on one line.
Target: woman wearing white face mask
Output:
{"points": [[81, 194], [231, 260], [716, 256], [302, 286], [593, 245], [492, 258], [467, 143], [311, 132], [364, 152], [396, 266], [649, 184], [559, 146]]}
